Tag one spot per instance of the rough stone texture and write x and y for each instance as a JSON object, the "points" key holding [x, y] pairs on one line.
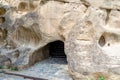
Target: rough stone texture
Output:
{"points": [[106, 4], [89, 29]]}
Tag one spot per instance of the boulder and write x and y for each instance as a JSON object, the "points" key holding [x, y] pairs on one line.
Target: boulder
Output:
{"points": [[88, 28]]}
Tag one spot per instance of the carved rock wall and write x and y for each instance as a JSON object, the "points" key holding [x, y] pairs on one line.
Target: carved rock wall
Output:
{"points": [[88, 28]]}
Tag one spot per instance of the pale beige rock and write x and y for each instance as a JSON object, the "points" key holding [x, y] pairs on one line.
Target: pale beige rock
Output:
{"points": [[93, 47], [107, 4], [88, 28]]}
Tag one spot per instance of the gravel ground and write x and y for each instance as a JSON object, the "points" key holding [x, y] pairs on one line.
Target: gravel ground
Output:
{"points": [[51, 69]]}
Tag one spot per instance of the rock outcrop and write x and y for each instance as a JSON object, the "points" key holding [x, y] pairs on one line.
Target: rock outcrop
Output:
{"points": [[88, 28]]}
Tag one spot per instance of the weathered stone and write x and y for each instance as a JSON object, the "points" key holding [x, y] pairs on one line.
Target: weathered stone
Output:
{"points": [[2, 20], [5, 61], [106, 4], [2, 10], [89, 29], [90, 46]]}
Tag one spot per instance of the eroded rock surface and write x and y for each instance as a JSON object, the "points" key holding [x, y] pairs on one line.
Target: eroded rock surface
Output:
{"points": [[88, 28]]}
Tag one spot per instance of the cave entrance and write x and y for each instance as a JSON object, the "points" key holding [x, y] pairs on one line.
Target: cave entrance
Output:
{"points": [[52, 62], [53, 50], [56, 49]]}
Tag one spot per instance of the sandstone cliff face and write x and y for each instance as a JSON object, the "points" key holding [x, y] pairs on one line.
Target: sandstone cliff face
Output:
{"points": [[88, 28]]}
